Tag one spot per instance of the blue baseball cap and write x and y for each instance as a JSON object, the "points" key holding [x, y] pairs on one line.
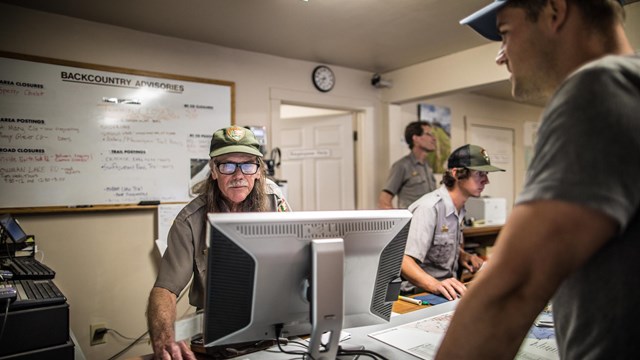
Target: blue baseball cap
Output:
{"points": [[484, 21]]}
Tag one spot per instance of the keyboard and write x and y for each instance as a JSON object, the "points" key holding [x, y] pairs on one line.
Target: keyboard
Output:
{"points": [[27, 267], [34, 293]]}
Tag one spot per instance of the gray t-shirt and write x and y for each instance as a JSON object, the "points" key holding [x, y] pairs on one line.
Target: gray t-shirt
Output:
{"points": [[409, 180], [588, 153]]}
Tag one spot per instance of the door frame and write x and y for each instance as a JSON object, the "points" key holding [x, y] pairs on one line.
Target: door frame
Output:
{"points": [[364, 125], [518, 151]]}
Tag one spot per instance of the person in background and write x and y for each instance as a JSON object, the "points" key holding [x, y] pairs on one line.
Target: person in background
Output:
{"points": [[435, 243], [574, 233], [237, 183], [411, 177]]}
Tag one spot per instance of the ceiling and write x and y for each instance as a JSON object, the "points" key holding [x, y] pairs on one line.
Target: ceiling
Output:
{"points": [[370, 35]]}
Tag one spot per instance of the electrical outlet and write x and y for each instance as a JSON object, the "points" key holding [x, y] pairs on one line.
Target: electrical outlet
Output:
{"points": [[97, 333]]}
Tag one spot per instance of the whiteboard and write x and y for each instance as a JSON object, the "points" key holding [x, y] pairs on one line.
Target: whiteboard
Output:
{"points": [[78, 134]]}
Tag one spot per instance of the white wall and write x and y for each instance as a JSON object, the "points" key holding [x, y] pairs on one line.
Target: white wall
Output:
{"points": [[463, 106], [632, 24]]}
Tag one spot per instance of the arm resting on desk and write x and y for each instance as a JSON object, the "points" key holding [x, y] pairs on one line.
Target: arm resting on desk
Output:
{"points": [[161, 317], [449, 288], [530, 261]]}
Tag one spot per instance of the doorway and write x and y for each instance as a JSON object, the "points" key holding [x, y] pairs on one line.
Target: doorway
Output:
{"points": [[317, 157], [499, 141], [363, 122]]}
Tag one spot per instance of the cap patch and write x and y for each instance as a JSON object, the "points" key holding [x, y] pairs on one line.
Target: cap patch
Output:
{"points": [[484, 154], [236, 133]]}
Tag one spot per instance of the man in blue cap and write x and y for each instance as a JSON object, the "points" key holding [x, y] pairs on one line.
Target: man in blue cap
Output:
{"points": [[574, 233]]}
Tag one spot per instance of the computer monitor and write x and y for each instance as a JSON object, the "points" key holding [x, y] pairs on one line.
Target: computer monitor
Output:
{"points": [[298, 273], [12, 229]]}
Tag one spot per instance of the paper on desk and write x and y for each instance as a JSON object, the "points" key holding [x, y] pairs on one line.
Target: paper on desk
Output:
{"points": [[166, 214], [545, 318], [422, 338]]}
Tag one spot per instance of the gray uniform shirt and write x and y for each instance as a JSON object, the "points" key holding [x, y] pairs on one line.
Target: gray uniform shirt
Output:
{"points": [[409, 180], [435, 235], [588, 153], [186, 253]]}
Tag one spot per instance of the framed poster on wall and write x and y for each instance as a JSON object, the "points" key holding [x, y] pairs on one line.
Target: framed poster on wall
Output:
{"points": [[440, 119]]}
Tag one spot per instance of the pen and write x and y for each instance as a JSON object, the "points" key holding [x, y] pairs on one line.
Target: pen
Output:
{"points": [[411, 300], [79, 206]]}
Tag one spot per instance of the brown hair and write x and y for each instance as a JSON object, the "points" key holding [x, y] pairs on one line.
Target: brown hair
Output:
{"points": [[414, 128], [449, 180]]}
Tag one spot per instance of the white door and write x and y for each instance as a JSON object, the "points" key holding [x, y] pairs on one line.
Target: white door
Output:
{"points": [[317, 161], [499, 143]]}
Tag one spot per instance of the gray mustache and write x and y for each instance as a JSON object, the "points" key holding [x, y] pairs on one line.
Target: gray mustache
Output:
{"points": [[241, 182]]}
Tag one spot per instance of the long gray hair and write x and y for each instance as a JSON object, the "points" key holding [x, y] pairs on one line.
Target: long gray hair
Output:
{"points": [[256, 201]]}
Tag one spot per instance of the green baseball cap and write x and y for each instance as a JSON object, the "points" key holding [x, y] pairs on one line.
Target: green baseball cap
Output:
{"points": [[471, 157], [234, 139]]}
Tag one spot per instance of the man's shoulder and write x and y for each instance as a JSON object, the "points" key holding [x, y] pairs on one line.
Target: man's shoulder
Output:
{"points": [[616, 61], [428, 200], [195, 207], [611, 65], [613, 74], [272, 188], [407, 159]]}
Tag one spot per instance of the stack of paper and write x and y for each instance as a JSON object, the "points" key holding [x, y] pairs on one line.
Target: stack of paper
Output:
{"points": [[545, 319]]}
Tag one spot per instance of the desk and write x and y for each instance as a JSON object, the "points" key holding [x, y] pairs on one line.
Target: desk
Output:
{"points": [[490, 231], [484, 236], [360, 335], [403, 307], [537, 346]]}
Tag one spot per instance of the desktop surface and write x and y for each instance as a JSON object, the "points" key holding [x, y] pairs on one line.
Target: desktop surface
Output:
{"points": [[407, 313], [360, 335]]}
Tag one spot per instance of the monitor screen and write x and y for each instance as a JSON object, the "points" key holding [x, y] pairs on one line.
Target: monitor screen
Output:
{"points": [[261, 265], [11, 228]]}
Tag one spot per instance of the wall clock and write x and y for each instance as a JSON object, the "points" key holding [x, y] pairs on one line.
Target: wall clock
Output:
{"points": [[323, 78]]}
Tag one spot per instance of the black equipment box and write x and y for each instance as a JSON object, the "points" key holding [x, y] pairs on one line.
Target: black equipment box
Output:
{"points": [[35, 329]]}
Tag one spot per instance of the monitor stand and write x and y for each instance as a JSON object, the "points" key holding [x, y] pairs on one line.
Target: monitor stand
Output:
{"points": [[327, 299]]}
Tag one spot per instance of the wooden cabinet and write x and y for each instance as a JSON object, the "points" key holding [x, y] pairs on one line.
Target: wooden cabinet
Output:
{"points": [[478, 240]]}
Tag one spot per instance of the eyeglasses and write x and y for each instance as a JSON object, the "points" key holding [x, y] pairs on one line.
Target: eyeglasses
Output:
{"points": [[228, 168], [429, 133]]}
